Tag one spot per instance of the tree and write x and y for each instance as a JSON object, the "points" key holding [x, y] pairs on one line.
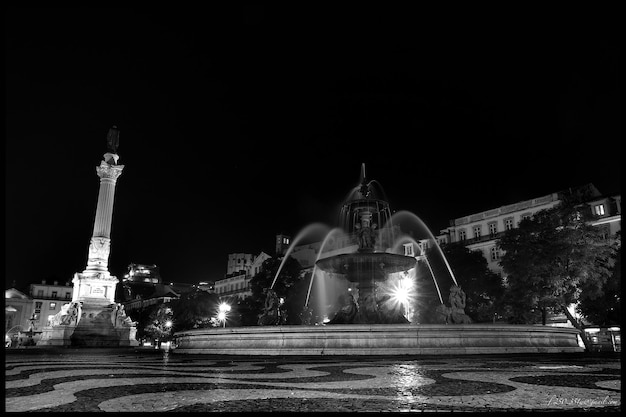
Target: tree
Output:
{"points": [[288, 286], [195, 310], [160, 323], [483, 287], [604, 306], [552, 258]]}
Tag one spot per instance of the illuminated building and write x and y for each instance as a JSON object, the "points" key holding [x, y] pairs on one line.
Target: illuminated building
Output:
{"points": [[33, 309], [236, 282], [481, 231]]}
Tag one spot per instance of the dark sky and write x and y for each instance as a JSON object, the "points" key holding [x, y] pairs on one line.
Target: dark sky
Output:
{"points": [[241, 122]]}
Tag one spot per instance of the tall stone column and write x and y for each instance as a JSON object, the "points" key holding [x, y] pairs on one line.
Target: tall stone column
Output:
{"points": [[95, 284], [100, 244]]}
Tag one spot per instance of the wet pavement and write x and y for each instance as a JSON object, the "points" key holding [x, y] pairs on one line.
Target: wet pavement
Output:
{"points": [[143, 379]]}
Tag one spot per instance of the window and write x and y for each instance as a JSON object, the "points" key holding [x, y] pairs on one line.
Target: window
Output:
{"points": [[461, 234], [493, 229], [598, 209], [408, 249], [39, 293], [38, 305], [54, 294], [526, 216], [508, 223], [67, 295], [495, 254], [477, 231], [53, 306]]}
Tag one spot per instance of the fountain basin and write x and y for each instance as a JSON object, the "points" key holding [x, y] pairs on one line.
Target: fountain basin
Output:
{"points": [[376, 339]]}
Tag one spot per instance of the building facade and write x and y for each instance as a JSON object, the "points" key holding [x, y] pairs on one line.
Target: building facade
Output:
{"points": [[35, 308], [481, 231], [236, 283]]}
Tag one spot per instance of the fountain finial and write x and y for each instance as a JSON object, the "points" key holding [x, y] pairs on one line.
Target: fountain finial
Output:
{"points": [[365, 188]]}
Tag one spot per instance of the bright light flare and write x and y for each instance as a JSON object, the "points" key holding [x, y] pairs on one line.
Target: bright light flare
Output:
{"points": [[403, 293], [224, 308], [168, 323]]}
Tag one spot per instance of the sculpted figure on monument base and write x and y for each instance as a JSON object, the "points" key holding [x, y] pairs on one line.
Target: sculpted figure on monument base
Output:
{"points": [[119, 317], [69, 315]]}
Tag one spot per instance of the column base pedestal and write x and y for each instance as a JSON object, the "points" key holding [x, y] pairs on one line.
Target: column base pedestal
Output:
{"points": [[94, 329]]}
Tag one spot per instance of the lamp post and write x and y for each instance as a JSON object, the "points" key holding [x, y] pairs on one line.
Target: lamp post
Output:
{"points": [[224, 308]]}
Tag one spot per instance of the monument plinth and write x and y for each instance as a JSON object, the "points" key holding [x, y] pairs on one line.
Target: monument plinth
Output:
{"points": [[93, 318]]}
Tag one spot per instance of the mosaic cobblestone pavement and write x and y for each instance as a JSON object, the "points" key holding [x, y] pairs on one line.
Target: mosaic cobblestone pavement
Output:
{"points": [[133, 380]]}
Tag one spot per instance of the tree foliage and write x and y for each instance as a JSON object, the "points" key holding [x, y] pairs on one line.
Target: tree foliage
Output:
{"points": [[554, 259], [195, 309], [160, 322], [483, 287], [603, 307], [289, 285]]}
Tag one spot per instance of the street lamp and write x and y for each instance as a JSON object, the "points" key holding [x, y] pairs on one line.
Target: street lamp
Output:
{"points": [[224, 308]]}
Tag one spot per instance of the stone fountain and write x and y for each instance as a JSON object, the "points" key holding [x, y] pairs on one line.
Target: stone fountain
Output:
{"points": [[367, 266], [367, 326]]}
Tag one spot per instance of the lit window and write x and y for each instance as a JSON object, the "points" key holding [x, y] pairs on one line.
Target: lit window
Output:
{"points": [[462, 234], [53, 305], [495, 254], [408, 249], [493, 229], [477, 231], [508, 223], [599, 210]]}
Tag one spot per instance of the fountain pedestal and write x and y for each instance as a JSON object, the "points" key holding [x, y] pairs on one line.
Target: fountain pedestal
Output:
{"points": [[366, 268]]}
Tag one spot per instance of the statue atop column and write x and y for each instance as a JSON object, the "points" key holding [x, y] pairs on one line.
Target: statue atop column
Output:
{"points": [[113, 139], [113, 142]]}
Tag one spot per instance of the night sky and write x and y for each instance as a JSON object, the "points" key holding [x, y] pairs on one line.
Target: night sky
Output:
{"points": [[241, 122]]}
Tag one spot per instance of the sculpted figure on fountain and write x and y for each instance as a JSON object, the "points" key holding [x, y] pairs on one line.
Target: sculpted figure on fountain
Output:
{"points": [[271, 312], [347, 311], [457, 306]]}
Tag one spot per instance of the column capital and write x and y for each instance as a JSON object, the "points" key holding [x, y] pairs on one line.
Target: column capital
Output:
{"points": [[108, 171]]}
